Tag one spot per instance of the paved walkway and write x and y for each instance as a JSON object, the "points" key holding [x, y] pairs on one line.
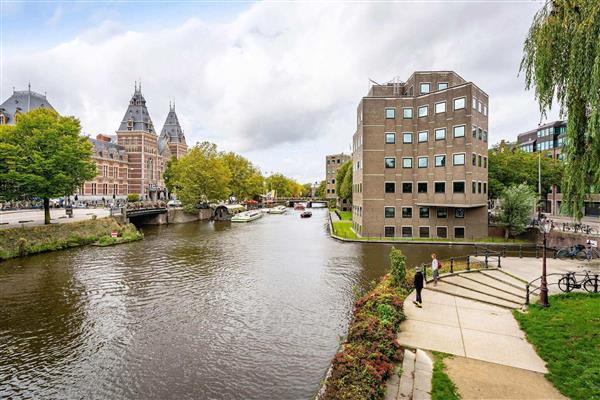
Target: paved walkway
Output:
{"points": [[10, 219]]}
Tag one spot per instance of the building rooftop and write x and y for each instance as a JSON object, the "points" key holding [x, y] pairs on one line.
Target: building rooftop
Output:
{"points": [[137, 117], [171, 131], [22, 101]]}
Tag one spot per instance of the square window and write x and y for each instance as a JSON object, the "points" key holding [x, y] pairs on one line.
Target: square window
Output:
{"points": [[442, 212], [406, 187], [458, 159], [390, 113], [440, 187], [423, 136], [440, 107], [422, 162], [440, 160], [389, 231], [407, 162], [440, 134], [424, 231], [390, 212], [407, 113], [459, 232], [421, 187], [442, 85], [390, 187], [458, 187], [407, 137], [459, 213], [407, 231], [459, 131], [390, 138], [423, 111], [423, 212], [406, 212], [390, 162], [424, 88], [441, 232], [459, 103]]}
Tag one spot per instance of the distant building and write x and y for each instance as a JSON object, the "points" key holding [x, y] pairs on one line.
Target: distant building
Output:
{"points": [[549, 139], [332, 164], [420, 159], [21, 101]]}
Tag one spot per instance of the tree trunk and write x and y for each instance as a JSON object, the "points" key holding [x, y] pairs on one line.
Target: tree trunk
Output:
{"points": [[46, 211]]}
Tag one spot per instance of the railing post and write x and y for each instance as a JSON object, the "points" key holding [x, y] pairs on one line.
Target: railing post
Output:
{"points": [[499, 264], [486, 257], [504, 251], [520, 251], [596, 284], [468, 263], [451, 265], [527, 294], [476, 251]]}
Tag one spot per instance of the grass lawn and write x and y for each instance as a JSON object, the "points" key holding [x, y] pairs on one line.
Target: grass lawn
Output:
{"points": [[343, 229], [345, 215], [442, 387], [567, 336]]}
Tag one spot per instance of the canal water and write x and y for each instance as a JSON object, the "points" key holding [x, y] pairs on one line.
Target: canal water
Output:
{"points": [[194, 311]]}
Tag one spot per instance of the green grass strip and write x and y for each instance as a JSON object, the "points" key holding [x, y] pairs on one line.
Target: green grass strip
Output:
{"points": [[442, 387]]}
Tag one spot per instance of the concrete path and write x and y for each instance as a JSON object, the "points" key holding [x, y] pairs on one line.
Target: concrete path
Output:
{"points": [[10, 219], [415, 382]]}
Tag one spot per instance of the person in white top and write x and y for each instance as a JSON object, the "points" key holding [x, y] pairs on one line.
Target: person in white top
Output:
{"points": [[434, 268]]}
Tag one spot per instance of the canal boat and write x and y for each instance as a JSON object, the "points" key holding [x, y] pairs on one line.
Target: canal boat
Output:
{"points": [[306, 214], [247, 216], [278, 210]]}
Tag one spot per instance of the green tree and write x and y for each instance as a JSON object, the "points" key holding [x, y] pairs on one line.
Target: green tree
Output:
{"points": [[45, 156], [346, 187], [562, 61], [340, 175], [307, 190], [246, 179], [200, 175], [516, 208], [320, 192], [284, 186], [507, 167]]}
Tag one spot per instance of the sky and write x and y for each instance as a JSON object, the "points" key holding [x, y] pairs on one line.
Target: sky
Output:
{"points": [[276, 81]]}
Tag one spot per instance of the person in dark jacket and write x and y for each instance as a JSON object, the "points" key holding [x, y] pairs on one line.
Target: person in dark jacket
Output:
{"points": [[418, 287]]}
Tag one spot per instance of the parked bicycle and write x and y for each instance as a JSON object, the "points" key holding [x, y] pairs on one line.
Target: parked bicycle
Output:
{"points": [[579, 252], [589, 283]]}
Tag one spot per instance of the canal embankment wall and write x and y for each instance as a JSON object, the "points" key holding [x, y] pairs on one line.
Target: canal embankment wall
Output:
{"points": [[173, 216], [19, 242]]}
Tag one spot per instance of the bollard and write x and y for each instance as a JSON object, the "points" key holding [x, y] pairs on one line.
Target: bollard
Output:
{"points": [[499, 266], [527, 294], [504, 252], [451, 265], [486, 257], [468, 263], [520, 251]]}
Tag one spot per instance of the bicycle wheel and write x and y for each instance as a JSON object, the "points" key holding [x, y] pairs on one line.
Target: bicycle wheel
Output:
{"points": [[581, 255], [591, 285], [562, 254], [566, 284], [593, 231]]}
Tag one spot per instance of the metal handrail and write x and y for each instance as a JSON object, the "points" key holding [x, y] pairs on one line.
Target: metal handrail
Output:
{"points": [[529, 292]]}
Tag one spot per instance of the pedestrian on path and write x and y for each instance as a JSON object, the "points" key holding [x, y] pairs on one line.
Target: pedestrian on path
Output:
{"points": [[418, 287], [435, 264]]}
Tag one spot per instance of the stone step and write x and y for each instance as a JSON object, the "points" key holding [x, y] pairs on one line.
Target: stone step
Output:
{"points": [[408, 376], [471, 295], [504, 277], [495, 283], [423, 373], [464, 282]]}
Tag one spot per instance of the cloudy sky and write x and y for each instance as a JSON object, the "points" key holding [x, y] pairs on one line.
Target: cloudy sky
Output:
{"points": [[278, 82]]}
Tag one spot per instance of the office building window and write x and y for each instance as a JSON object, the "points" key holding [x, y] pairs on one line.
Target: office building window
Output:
{"points": [[474, 159], [425, 88], [458, 131], [459, 103], [390, 138], [423, 111], [390, 212], [479, 160], [474, 103], [485, 136], [458, 159], [407, 231], [474, 132], [440, 187], [473, 187], [390, 187], [423, 136], [440, 134], [442, 85], [406, 212], [459, 232], [407, 137], [423, 212], [390, 113], [459, 213], [440, 160], [440, 107], [407, 113], [406, 187], [478, 187], [389, 231], [484, 187], [407, 162], [442, 212], [422, 162], [390, 162], [421, 187], [424, 231], [441, 232], [458, 187], [94, 189]]}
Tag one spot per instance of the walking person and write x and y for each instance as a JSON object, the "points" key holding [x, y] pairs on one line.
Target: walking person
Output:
{"points": [[435, 264], [418, 287]]}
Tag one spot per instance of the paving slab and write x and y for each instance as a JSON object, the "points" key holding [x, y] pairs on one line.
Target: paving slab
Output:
{"points": [[499, 321], [443, 311], [407, 379]]}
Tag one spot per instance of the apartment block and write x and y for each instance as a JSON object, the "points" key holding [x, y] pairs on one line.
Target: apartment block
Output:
{"points": [[420, 159], [332, 163]]}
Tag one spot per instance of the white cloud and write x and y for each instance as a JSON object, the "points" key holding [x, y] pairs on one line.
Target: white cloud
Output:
{"points": [[282, 81]]}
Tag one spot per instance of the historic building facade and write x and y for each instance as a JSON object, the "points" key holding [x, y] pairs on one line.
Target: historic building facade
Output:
{"points": [[21, 101], [420, 159]]}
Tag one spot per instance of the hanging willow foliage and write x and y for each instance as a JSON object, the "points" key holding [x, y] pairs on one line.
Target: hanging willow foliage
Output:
{"points": [[562, 61]]}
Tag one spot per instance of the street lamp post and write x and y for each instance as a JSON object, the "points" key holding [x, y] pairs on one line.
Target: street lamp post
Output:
{"points": [[545, 228]]}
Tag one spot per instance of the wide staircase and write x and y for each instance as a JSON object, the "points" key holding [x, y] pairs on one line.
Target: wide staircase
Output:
{"points": [[492, 286]]}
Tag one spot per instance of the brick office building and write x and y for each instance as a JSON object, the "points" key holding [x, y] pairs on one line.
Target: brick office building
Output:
{"points": [[332, 163], [420, 159]]}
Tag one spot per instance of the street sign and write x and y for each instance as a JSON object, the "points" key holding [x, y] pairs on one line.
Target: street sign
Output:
{"points": [[114, 234]]}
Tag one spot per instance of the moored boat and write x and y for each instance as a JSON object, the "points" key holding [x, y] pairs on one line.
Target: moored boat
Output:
{"points": [[247, 216], [306, 214], [277, 210]]}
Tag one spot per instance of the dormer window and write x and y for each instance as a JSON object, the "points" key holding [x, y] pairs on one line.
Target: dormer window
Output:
{"points": [[99, 154]]}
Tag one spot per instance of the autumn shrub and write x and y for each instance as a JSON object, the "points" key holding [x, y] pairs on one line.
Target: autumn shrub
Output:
{"points": [[398, 266]]}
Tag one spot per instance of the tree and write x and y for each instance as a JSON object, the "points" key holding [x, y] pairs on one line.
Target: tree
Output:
{"points": [[246, 179], [507, 167], [343, 181], [45, 156], [199, 176], [306, 190], [516, 207], [284, 186], [320, 192], [562, 60]]}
